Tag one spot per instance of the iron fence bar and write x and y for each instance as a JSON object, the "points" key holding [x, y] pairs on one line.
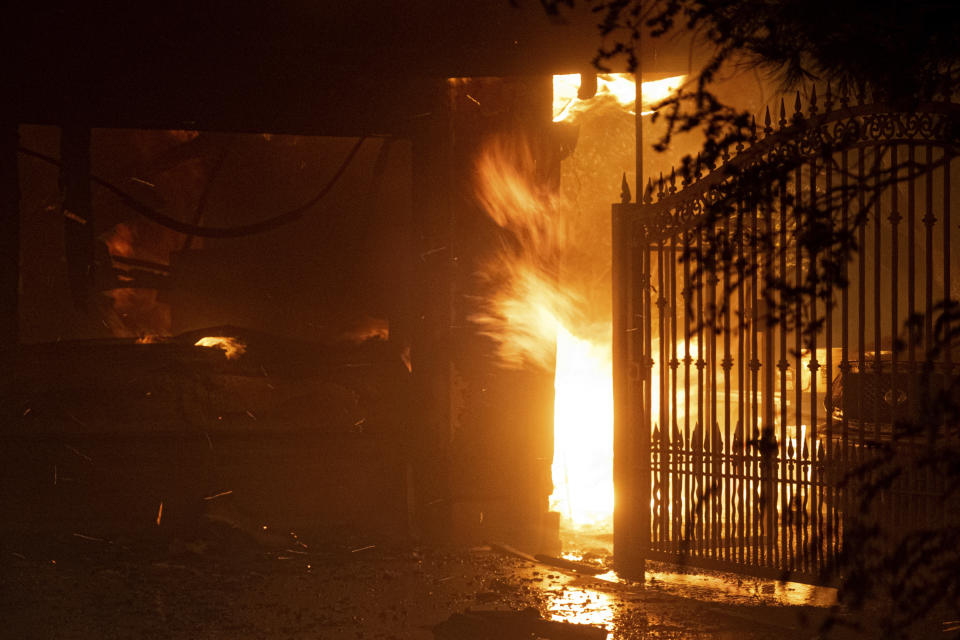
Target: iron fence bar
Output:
{"points": [[725, 482], [655, 443], [877, 281], [911, 257], [947, 230], [769, 372], [666, 452], [845, 461], [678, 445], [752, 362], [920, 511], [662, 495], [929, 220], [831, 502], [786, 532], [750, 406], [896, 512], [745, 355], [647, 416], [814, 555], [687, 361], [753, 488], [800, 468], [654, 417], [861, 297], [698, 436], [713, 426]]}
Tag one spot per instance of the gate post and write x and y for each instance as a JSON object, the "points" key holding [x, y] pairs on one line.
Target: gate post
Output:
{"points": [[631, 462]]}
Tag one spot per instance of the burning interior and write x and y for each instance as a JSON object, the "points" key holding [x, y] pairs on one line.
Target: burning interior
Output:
{"points": [[475, 252], [523, 295]]}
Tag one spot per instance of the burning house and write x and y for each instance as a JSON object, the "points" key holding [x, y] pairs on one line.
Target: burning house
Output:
{"points": [[290, 277], [410, 216]]}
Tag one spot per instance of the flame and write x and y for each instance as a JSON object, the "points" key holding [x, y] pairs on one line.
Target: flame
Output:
{"points": [[138, 312], [583, 431], [619, 87], [539, 315], [232, 347], [527, 307], [135, 312], [537, 318]]}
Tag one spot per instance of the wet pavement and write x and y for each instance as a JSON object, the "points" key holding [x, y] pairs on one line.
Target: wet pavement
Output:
{"points": [[76, 587]]}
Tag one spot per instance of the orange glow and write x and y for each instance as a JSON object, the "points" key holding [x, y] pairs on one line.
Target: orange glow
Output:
{"points": [[538, 320], [232, 347], [582, 605], [537, 317], [619, 87], [583, 431], [369, 329], [527, 306], [135, 312]]}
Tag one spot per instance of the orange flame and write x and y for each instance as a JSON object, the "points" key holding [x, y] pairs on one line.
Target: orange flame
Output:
{"points": [[618, 87], [537, 319], [528, 307], [232, 347], [583, 431], [540, 316]]}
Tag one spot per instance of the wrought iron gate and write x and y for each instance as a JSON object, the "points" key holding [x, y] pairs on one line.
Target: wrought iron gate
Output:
{"points": [[734, 431]]}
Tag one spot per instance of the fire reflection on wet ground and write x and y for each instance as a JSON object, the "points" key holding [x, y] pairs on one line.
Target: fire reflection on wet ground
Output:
{"points": [[581, 605], [623, 606], [99, 590]]}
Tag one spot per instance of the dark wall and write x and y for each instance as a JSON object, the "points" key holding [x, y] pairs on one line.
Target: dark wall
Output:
{"points": [[339, 269]]}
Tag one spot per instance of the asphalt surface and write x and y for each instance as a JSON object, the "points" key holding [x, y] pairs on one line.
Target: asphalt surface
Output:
{"points": [[77, 586]]}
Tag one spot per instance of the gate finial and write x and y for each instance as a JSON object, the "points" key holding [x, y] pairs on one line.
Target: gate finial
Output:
{"points": [[783, 114], [717, 437], [798, 107], [767, 129], [625, 196], [813, 99]]}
